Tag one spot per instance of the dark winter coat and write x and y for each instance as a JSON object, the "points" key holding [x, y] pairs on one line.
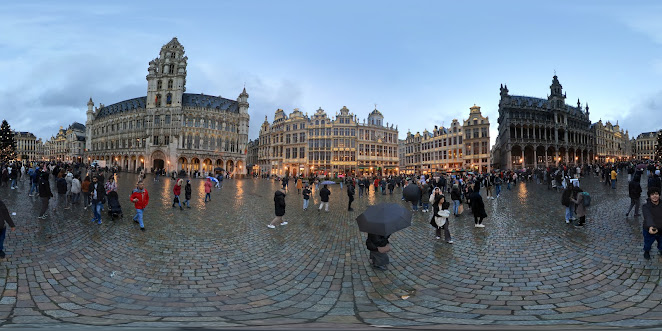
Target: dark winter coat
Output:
{"points": [[455, 194], [306, 193], [374, 240], [350, 191], [45, 187], [324, 194], [652, 215], [634, 189], [5, 217], [477, 205], [279, 202], [61, 186], [101, 193], [565, 196], [187, 191]]}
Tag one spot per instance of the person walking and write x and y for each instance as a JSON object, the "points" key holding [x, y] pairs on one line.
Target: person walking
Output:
{"points": [[361, 187], [98, 195], [379, 246], [208, 186], [306, 196], [652, 211], [613, 175], [440, 214], [69, 177], [279, 204], [187, 193], [5, 218], [324, 197], [34, 181], [497, 184], [578, 200], [177, 190], [350, 195], [45, 194], [61, 184], [140, 199], [634, 191], [478, 209]]}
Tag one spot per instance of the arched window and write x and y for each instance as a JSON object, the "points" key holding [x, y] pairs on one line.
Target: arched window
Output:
{"points": [[197, 142], [159, 85], [171, 69], [157, 100], [170, 84], [169, 99]]}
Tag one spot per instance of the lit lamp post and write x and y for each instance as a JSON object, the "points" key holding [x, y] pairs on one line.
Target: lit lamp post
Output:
{"points": [[168, 166]]}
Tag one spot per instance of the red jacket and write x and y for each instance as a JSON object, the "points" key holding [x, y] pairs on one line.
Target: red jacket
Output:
{"points": [[208, 186], [177, 190], [143, 198]]}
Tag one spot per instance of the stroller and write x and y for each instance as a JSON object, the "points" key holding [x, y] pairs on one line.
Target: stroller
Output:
{"points": [[115, 209]]}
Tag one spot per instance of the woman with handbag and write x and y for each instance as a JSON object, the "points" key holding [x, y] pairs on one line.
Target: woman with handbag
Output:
{"points": [[440, 214], [378, 246]]}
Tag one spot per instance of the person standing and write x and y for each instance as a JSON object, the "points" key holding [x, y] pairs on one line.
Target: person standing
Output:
{"points": [[187, 193], [45, 194], [613, 178], [61, 184], [566, 201], [652, 211], [578, 200], [5, 218], [98, 195], [177, 190], [279, 204], [497, 184], [140, 199], [324, 197], [34, 181], [85, 189], [379, 246], [478, 209], [208, 189], [440, 216], [456, 195], [361, 187], [634, 191], [75, 189], [350, 195], [306, 196], [299, 185]]}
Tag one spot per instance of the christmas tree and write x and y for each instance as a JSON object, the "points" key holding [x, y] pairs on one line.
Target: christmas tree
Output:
{"points": [[658, 147], [7, 143]]}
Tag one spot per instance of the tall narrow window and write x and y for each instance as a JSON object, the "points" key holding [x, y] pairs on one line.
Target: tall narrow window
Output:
{"points": [[169, 99], [157, 100], [159, 85], [169, 84]]}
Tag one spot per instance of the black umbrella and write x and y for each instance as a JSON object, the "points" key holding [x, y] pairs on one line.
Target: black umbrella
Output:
{"points": [[219, 169], [384, 219], [412, 192]]}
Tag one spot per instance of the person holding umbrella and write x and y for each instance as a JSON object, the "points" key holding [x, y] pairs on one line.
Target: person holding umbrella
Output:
{"points": [[380, 221]]}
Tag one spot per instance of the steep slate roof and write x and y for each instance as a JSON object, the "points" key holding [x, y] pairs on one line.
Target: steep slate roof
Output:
{"points": [[77, 126], [524, 101], [188, 100]]}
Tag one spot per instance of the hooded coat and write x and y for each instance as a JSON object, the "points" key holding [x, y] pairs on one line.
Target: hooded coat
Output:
{"points": [[477, 205], [279, 203]]}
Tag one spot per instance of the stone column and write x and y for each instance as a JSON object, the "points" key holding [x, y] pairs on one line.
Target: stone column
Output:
{"points": [[546, 161], [523, 159], [535, 158]]}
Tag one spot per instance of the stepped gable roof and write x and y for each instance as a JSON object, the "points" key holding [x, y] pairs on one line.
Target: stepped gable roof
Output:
{"points": [[122, 106], [209, 101]]}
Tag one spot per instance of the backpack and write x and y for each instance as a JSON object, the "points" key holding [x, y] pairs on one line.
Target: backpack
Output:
{"points": [[586, 199]]}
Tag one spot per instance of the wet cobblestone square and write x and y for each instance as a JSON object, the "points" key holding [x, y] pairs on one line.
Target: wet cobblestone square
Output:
{"points": [[217, 264]]}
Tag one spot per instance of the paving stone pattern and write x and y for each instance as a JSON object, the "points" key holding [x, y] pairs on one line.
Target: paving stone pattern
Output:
{"points": [[217, 264]]}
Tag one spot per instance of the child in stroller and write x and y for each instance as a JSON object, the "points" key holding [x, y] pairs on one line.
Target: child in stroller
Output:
{"points": [[115, 209]]}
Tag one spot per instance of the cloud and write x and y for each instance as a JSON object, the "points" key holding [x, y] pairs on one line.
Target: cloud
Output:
{"points": [[644, 116]]}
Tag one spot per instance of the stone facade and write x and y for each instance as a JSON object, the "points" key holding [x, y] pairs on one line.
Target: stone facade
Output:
{"points": [[67, 145], [460, 146], [28, 147], [301, 144], [169, 129], [645, 145], [535, 132], [251, 157], [611, 142]]}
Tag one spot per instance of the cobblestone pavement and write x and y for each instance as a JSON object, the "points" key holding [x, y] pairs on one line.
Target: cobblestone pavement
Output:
{"points": [[217, 264]]}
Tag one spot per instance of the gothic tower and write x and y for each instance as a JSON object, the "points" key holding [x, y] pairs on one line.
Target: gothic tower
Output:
{"points": [[556, 97], [166, 78]]}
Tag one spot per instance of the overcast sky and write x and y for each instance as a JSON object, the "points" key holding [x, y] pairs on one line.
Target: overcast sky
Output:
{"points": [[423, 63]]}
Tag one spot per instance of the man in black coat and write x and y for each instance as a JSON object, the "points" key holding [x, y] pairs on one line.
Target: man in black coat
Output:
{"points": [[350, 195], [652, 211], [634, 191], [4, 218], [44, 194], [279, 205], [98, 197], [324, 196]]}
